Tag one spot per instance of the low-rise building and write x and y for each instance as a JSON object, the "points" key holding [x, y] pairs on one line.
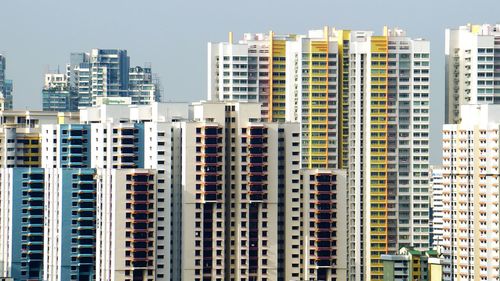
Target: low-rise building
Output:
{"points": [[412, 265]]}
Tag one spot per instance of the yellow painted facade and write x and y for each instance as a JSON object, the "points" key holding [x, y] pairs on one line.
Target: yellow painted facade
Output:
{"points": [[317, 82], [31, 148], [61, 119], [416, 271], [378, 155], [277, 79], [475, 28], [67, 117], [435, 272], [343, 90]]}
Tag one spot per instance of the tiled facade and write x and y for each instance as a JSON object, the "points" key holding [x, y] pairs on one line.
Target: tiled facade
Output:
{"points": [[471, 234]]}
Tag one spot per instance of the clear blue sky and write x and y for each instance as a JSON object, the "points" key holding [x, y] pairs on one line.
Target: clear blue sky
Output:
{"points": [[172, 35]]}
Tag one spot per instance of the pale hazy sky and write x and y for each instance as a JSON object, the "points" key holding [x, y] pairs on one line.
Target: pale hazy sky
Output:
{"points": [[173, 34]]}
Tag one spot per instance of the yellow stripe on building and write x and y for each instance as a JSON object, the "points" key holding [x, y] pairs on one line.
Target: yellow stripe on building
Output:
{"points": [[318, 103], [277, 78], [343, 90], [378, 154]]}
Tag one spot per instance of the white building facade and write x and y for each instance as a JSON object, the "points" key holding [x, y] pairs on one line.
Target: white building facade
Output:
{"points": [[470, 195], [472, 72], [249, 201], [389, 148], [436, 206]]}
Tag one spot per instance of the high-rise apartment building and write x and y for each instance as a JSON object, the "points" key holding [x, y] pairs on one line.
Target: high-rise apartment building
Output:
{"points": [[116, 141], [57, 94], [317, 95], [20, 144], [312, 95], [22, 192], [233, 175], [470, 194], [144, 88], [127, 231], [472, 67], [76, 59], [389, 148], [253, 69], [167, 192], [295, 79], [249, 211], [79, 76], [103, 76], [343, 78], [109, 73], [363, 104], [436, 206], [69, 238], [22, 202], [323, 221], [6, 87]]}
